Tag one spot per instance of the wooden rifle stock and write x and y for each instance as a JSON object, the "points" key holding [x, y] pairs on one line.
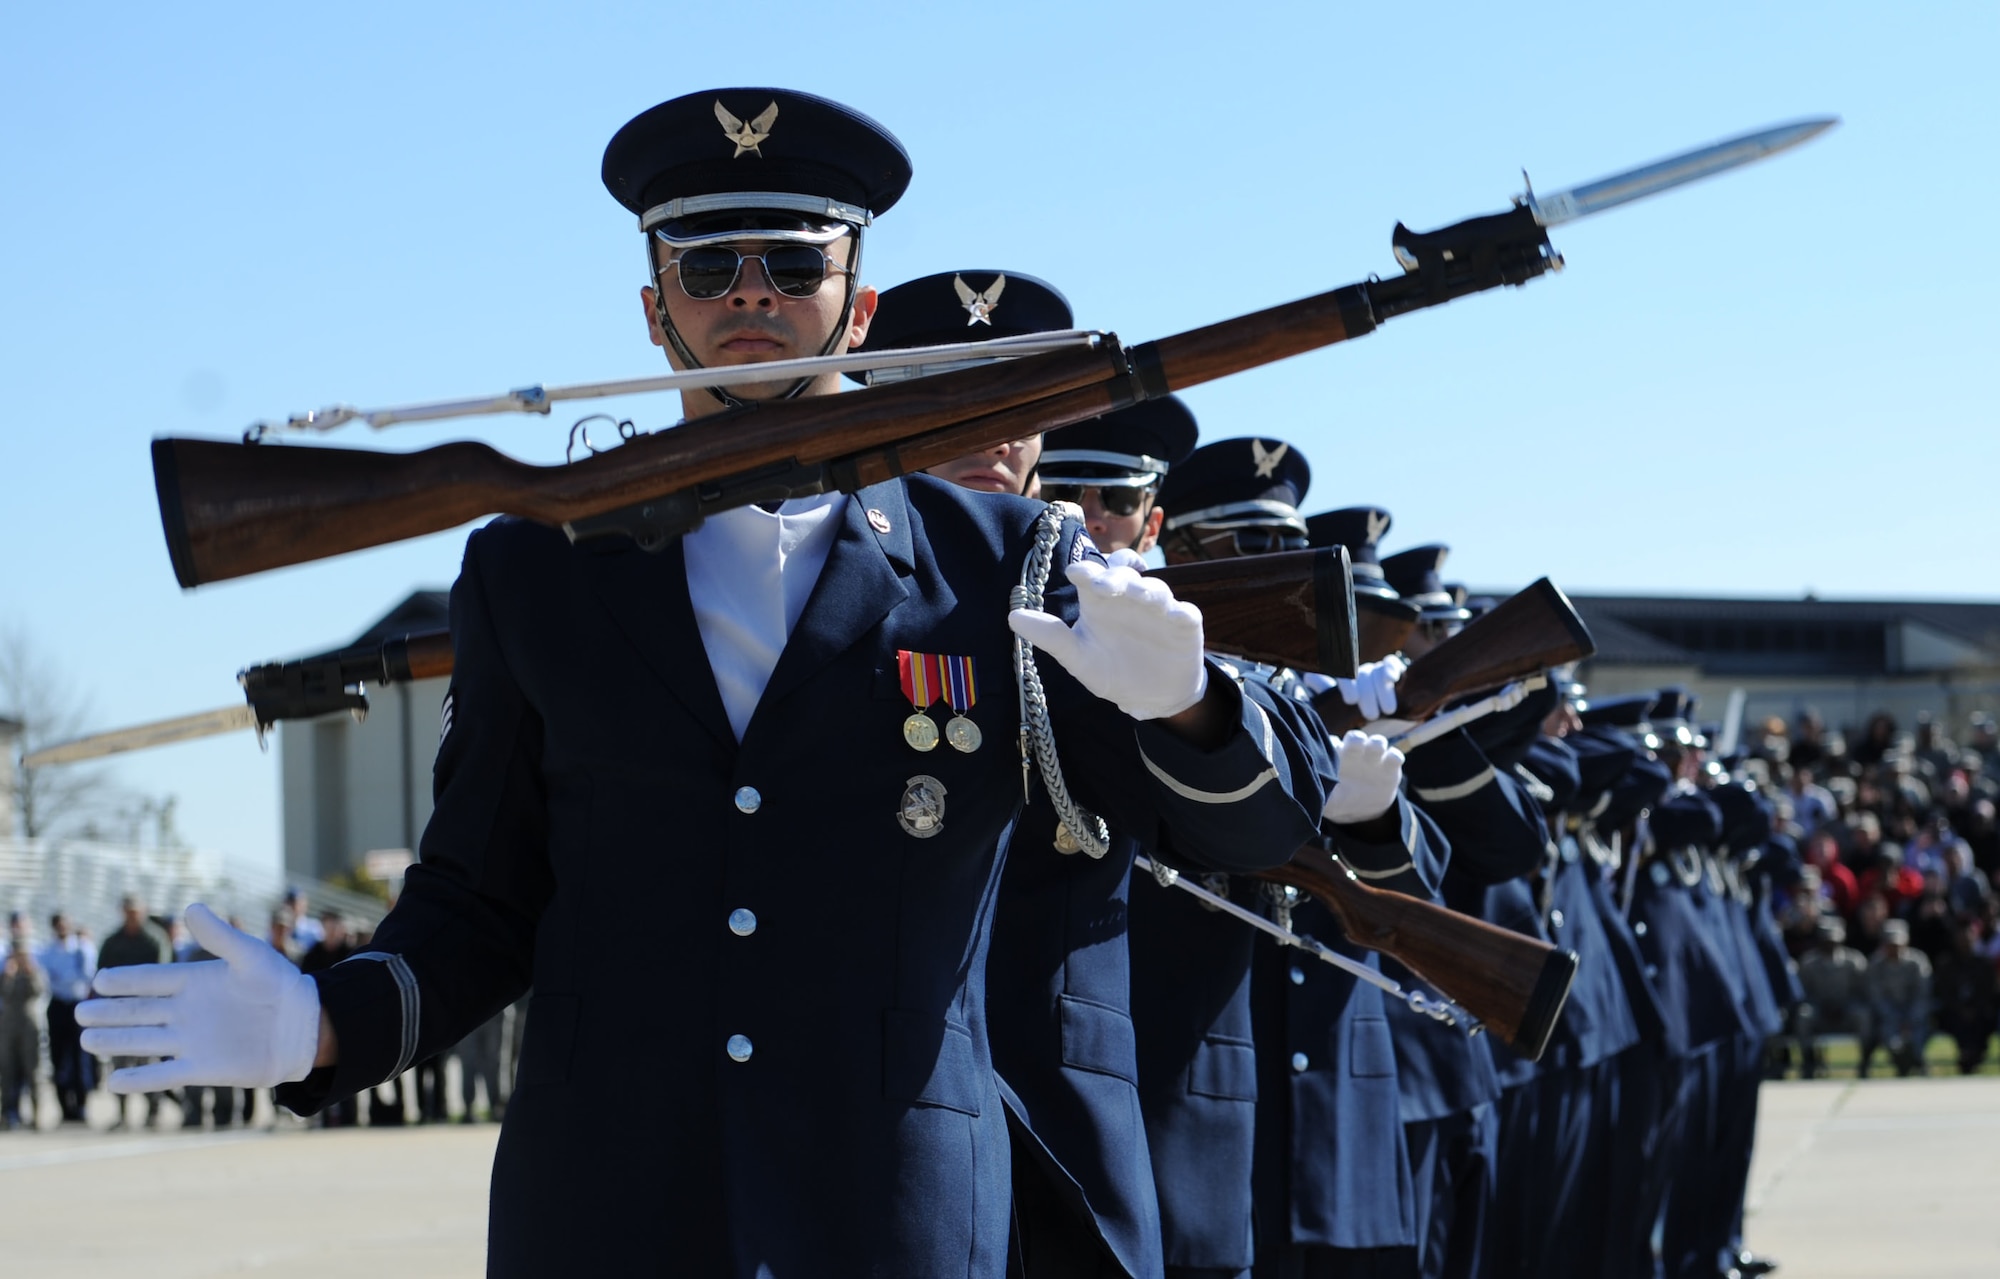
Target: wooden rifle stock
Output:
{"points": [[1513, 983], [1525, 633], [1291, 608], [233, 509], [1383, 624], [1294, 611]]}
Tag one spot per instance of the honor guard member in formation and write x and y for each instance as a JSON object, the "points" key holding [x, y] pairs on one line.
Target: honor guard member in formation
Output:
{"points": [[1576, 1150], [946, 308], [1058, 977], [740, 752], [1464, 781], [1297, 1072]]}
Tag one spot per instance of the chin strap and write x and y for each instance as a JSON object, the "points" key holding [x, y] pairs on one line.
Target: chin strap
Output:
{"points": [[688, 361]]}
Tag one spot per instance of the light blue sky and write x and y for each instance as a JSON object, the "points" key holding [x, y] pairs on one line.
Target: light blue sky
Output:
{"points": [[1780, 379]]}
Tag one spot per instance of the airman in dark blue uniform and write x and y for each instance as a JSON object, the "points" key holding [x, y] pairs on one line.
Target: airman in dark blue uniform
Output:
{"points": [[719, 847], [1330, 1185]]}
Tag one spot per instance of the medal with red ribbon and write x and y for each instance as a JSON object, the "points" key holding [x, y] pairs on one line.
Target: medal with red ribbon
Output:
{"points": [[926, 678], [923, 683]]}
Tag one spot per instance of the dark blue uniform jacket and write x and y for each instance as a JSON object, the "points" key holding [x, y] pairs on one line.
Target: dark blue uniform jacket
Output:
{"points": [[820, 1098]]}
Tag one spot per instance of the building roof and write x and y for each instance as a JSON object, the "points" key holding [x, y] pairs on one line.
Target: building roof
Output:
{"points": [[1793, 637], [424, 610]]}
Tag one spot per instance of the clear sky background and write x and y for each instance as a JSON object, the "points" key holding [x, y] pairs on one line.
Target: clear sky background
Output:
{"points": [[1777, 380]]}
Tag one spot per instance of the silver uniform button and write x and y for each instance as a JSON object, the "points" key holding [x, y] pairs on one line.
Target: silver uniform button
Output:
{"points": [[1652, 971], [1298, 975], [1555, 919], [1300, 1061], [1639, 929], [742, 922], [739, 1048], [748, 800]]}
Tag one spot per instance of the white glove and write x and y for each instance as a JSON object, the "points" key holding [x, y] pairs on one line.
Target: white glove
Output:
{"points": [[1373, 687], [1370, 772], [1124, 557], [1510, 697], [247, 1019], [1133, 644]]}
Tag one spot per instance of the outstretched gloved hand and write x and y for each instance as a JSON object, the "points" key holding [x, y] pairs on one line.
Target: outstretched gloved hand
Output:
{"points": [[1373, 688], [1370, 771], [246, 1019], [1133, 644]]}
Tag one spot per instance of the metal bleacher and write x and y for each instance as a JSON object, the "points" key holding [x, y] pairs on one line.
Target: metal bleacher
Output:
{"points": [[87, 879]]}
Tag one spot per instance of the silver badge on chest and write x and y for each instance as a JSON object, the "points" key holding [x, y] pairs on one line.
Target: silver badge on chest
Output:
{"points": [[922, 812]]}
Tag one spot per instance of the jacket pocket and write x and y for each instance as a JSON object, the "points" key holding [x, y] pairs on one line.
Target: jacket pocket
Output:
{"points": [[1373, 1056], [930, 1061], [1225, 1068], [550, 1040], [1098, 1037]]}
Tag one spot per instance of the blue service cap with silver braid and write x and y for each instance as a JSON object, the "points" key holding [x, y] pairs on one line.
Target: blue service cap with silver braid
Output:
{"points": [[1360, 529], [1130, 448], [1237, 484], [763, 150], [1415, 576], [954, 307]]}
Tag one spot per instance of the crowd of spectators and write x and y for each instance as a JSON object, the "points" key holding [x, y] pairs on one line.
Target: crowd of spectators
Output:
{"points": [[42, 1061], [1891, 913]]}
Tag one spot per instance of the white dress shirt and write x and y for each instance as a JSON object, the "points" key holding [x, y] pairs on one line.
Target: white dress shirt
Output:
{"points": [[749, 574]]}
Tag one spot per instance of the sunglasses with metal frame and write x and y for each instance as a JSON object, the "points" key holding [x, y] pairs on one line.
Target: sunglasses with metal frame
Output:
{"points": [[1117, 499], [708, 272], [1252, 539]]}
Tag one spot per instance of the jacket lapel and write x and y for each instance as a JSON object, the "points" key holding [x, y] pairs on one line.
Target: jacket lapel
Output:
{"points": [[863, 581], [647, 597]]}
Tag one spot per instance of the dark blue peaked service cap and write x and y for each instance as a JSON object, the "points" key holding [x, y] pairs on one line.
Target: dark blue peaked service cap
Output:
{"points": [[1638, 788], [1136, 444], [1553, 762], [1602, 758], [1360, 529], [1684, 818], [963, 306], [1629, 711], [1238, 482], [1415, 576], [755, 149]]}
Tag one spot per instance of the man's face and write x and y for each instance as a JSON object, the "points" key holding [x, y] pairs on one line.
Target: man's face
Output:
{"points": [[1137, 531], [1005, 469], [135, 918], [754, 323], [60, 927]]}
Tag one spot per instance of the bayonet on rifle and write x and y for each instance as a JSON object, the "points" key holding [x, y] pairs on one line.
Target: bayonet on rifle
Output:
{"points": [[233, 509]]}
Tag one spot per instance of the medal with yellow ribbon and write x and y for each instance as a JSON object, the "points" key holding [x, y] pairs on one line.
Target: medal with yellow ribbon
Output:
{"points": [[923, 683]]}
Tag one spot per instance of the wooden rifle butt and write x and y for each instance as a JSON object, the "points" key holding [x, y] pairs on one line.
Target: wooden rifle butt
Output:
{"points": [[1514, 984], [1382, 624], [1524, 634], [1290, 608]]}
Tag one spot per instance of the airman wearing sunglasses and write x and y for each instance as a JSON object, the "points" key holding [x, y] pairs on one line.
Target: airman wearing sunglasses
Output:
{"points": [[1112, 467], [1283, 1094], [683, 797], [968, 306]]}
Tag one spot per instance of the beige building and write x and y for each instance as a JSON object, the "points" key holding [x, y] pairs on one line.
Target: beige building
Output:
{"points": [[351, 788], [1844, 659]]}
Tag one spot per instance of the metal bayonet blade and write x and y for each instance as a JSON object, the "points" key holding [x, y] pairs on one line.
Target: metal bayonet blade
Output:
{"points": [[159, 733], [1634, 184]]}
